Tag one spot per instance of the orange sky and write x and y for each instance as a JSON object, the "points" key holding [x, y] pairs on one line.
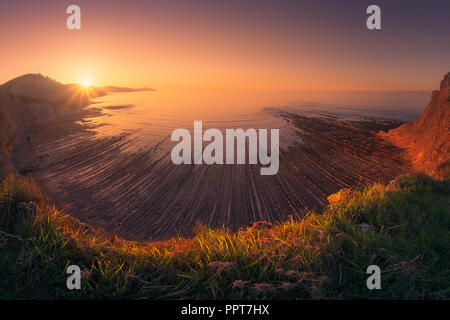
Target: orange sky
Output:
{"points": [[261, 45]]}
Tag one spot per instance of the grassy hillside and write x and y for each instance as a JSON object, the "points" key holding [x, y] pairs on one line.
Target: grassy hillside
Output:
{"points": [[403, 228]]}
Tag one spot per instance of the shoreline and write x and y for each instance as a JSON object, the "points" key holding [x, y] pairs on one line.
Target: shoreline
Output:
{"points": [[92, 179]]}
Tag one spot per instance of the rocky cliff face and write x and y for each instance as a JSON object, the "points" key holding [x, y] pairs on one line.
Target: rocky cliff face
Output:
{"points": [[34, 98], [427, 139], [8, 133], [28, 100]]}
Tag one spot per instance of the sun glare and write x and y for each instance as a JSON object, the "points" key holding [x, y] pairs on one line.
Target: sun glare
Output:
{"points": [[85, 82]]}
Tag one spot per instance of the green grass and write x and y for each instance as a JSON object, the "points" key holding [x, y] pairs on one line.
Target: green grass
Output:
{"points": [[325, 255]]}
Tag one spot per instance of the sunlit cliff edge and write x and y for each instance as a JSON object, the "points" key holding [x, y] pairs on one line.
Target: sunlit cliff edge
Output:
{"points": [[427, 139]]}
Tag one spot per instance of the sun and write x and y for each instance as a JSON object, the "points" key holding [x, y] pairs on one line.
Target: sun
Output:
{"points": [[85, 82]]}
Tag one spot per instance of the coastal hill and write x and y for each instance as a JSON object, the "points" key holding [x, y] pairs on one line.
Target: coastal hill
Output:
{"points": [[34, 98], [427, 139]]}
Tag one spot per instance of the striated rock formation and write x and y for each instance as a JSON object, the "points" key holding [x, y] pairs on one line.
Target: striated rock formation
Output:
{"points": [[33, 99], [29, 100], [427, 139]]}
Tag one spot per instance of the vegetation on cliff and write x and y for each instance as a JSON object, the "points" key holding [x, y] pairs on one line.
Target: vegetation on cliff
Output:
{"points": [[403, 228]]}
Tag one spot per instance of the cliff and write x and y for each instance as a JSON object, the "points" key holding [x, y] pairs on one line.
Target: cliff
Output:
{"points": [[29, 100], [8, 133], [34, 98], [427, 139]]}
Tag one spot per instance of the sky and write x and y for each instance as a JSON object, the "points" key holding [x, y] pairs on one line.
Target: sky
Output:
{"points": [[232, 44]]}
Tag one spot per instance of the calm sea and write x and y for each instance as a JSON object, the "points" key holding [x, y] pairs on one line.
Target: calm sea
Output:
{"points": [[149, 117]]}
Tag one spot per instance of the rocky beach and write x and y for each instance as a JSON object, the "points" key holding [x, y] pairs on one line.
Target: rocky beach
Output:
{"points": [[142, 195]]}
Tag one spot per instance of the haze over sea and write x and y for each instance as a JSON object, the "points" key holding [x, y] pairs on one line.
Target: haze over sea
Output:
{"points": [[152, 116]]}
